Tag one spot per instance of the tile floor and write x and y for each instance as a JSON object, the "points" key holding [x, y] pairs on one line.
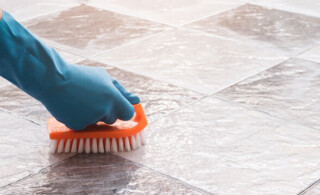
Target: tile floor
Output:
{"points": [[230, 89]]}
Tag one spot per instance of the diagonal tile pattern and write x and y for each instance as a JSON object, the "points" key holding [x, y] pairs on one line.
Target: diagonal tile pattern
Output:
{"points": [[290, 90], [23, 149], [90, 30], [192, 60], [227, 149], [264, 28], [174, 13], [312, 54], [99, 174], [158, 98]]}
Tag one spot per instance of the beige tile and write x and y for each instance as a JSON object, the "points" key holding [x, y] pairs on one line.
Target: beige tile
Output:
{"points": [[174, 13], [312, 54], [99, 174], [90, 30], [264, 28], [23, 148], [27, 9], [3, 82], [306, 7], [314, 190], [290, 90], [192, 60], [227, 149], [157, 98]]}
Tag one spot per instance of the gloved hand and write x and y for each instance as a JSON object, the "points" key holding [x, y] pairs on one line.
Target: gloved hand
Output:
{"points": [[75, 95]]}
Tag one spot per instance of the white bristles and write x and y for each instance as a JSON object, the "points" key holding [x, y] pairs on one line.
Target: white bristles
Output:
{"points": [[138, 140], [80, 147], [60, 147], [87, 146], [74, 146], [133, 143], [114, 146], [121, 146], [107, 146], [94, 146], [67, 146], [53, 145], [100, 145], [127, 144]]}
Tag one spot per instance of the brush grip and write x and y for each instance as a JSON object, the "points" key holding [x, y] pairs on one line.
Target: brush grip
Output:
{"points": [[139, 117]]}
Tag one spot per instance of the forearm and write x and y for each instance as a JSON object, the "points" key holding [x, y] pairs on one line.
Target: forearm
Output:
{"points": [[25, 61]]}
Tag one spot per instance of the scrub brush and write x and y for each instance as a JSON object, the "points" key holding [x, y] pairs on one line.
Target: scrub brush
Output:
{"points": [[119, 137]]}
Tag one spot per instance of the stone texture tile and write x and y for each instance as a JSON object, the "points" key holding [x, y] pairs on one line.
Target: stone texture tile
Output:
{"points": [[167, 11], [15, 100], [264, 28], [157, 98], [192, 60], [306, 7], [312, 54], [3, 82], [315, 190], [23, 149], [224, 148], [290, 90], [26, 9], [90, 30], [98, 174]]}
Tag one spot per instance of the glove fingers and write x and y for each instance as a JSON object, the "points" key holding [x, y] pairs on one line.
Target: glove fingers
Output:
{"points": [[109, 119], [125, 110], [133, 99]]}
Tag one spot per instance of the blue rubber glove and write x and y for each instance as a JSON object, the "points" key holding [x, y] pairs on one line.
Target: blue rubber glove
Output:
{"points": [[75, 95]]}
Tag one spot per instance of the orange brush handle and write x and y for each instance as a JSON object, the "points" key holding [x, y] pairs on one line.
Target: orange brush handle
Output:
{"points": [[58, 130]]}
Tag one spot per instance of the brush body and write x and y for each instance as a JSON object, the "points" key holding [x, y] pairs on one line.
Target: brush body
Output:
{"points": [[102, 138]]}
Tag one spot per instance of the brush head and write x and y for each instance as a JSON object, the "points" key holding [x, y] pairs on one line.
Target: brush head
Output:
{"points": [[121, 136]]}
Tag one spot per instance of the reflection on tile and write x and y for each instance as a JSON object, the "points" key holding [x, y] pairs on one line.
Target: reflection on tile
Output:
{"points": [[192, 60], [290, 90], [306, 7], [264, 28], [26, 9], [15, 100], [227, 149], [3, 82], [167, 11], [312, 54], [23, 149], [98, 174], [90, 30], [157, 98]]}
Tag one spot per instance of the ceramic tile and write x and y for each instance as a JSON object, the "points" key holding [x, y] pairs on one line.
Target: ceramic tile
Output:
{"points": [[3, 82], [307, 7], [192, 60], [224, 148], [15, 100], [264, 28], [90, 30], [158, 98], [290, 90], [27, 9], [99, 174], [315, 190], [312, 54], [23, 149], [167, 12]]}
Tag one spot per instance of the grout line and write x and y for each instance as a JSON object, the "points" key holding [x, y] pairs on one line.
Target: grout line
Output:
{"points": [[311, 186]]}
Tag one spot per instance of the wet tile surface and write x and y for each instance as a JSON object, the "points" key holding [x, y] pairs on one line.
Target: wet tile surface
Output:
{"points": [[227, 149], [312, 54], [99, 174], [264, 28], [307, 7], [23, 149], [26, 9], [167, 11], [90, 30], [157, 98], [290, 90], [192, 60]]}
